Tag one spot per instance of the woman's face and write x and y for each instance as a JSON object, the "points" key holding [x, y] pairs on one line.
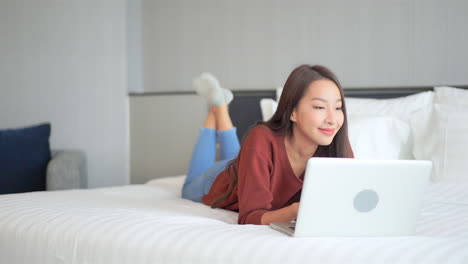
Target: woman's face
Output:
{"points": [[318, 115]]}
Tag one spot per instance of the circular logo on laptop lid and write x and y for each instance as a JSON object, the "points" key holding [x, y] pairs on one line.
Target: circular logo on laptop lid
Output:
{"points": [[366, 201]]}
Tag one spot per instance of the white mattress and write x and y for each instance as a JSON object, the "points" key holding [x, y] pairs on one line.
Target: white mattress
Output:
{"points": [[151, 224]]}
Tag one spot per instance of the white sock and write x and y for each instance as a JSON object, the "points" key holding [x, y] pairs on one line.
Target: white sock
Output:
{"points": [[208, 86], [228, 96]]}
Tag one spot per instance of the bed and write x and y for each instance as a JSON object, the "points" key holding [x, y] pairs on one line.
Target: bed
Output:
{"points": [[151, 223]]}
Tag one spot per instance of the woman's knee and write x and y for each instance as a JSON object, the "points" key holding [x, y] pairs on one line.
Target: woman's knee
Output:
{"points": [[191, 193]]}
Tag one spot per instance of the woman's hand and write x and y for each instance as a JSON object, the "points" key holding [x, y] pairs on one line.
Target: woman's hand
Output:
{"points": [[294, 210], [285, 214]]}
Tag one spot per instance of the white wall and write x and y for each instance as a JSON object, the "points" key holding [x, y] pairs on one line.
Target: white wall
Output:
{"points": [[164, 129], [255, 44], [134, 46], [65, 62]]}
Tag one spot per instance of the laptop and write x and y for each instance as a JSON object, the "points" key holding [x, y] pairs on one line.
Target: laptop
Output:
{"points": [[344, 197]]}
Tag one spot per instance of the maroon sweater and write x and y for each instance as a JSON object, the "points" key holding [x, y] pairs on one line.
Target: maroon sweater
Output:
{"points": [[266, 180]]}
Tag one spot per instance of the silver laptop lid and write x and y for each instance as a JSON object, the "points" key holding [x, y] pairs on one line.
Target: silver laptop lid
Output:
{"points": [[352, 197]]}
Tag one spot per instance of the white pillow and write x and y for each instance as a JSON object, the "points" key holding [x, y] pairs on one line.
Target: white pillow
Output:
{"points": [[415, 110], [379, 137], [401, 107], [268, 107], [445, 137], [451, 95], [279, 90], [446, 143]]}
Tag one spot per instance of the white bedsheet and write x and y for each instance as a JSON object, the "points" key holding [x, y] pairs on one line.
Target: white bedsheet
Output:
{"points": [[151, 224]]}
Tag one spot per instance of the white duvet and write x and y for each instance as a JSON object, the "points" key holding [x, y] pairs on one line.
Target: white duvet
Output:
{"points": [[150, 223]]}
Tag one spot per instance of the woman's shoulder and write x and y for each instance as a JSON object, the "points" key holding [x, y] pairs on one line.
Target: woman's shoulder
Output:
{"points": [[261, 134], [262, 131]]}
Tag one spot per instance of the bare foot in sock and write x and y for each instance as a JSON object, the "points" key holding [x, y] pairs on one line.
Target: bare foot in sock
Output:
{"points": [[228, 96], [208, 86]]}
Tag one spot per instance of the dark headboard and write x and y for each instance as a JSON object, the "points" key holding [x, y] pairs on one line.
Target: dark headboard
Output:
{"points": [[245, 108]]}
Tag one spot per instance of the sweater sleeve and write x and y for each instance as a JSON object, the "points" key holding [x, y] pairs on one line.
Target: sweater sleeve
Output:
{"points": [[254, 170]]}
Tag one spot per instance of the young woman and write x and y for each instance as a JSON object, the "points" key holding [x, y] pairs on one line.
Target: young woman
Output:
{"points": [[263, 181]]}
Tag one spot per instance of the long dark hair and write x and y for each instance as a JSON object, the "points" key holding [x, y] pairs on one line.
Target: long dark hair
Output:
{"points": [[294, 89]]}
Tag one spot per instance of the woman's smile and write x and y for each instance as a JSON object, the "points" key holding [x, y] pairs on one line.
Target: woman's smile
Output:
{"points": [[327, 131]]}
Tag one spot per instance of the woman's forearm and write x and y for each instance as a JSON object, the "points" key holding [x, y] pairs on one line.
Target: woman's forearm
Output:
{"points": [[284, 214]]}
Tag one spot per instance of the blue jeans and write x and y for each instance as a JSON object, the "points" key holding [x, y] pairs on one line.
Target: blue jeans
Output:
{"points": [[203, 168]]}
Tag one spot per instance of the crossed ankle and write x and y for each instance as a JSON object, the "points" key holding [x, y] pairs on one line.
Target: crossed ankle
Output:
{"points": [[207, 85]]}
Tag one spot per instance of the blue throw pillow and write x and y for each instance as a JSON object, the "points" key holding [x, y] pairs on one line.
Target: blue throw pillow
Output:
{"points": [[24, 155]]}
